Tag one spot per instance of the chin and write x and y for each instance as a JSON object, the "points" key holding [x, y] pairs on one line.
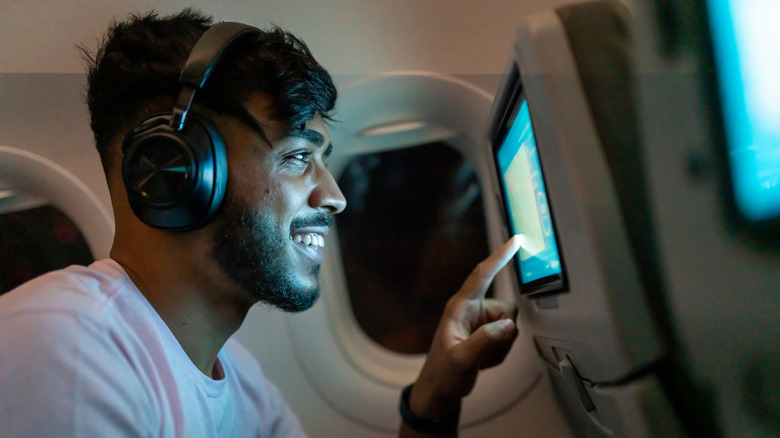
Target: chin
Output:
{"points": [[296, 302]]}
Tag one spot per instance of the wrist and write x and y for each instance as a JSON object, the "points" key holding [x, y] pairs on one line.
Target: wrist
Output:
{"points": [[432, 420]]}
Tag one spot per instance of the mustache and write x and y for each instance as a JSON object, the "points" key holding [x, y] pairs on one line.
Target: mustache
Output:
{"points": [[314, 220]]}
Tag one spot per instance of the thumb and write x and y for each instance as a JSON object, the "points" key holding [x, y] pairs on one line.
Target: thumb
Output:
{"points": [[480, 343]]}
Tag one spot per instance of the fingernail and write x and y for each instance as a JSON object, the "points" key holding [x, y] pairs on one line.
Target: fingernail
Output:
{"points": [[507, 326]]}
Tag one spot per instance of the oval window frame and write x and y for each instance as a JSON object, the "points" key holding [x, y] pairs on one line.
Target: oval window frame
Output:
{"points": [[45, 181]]}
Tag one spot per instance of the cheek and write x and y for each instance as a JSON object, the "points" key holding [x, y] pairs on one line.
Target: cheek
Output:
{"points": [[263, 197], [278, 196], [249, 184]]}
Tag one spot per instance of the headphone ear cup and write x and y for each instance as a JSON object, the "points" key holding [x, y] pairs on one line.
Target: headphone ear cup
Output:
{"points": [[175, 180]]}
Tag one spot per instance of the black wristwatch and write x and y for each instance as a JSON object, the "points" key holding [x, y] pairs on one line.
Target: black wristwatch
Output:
{"points": [[426, 425]]}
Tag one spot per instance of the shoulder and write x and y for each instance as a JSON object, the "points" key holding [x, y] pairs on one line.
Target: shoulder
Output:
{"points": [[67, 318], [65, 311], [65, 289], [63, 358], [61, 332]]}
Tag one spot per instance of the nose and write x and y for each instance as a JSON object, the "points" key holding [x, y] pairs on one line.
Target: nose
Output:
{"points": [[327, 194]]}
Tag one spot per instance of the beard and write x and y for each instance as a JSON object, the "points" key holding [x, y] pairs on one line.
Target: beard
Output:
{"points": [[251, 249]]}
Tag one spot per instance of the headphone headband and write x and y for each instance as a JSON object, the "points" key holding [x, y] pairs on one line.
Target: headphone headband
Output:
{"points": [[204, 56]]}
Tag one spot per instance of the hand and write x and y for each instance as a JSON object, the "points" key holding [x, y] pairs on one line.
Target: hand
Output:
{"points": [[474, 333]]}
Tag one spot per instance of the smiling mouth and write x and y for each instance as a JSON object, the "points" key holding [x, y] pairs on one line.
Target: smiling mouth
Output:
{"points": [[314, 240]]}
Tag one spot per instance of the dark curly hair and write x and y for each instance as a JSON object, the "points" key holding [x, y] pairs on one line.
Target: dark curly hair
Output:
{"points": [[134, 73]]}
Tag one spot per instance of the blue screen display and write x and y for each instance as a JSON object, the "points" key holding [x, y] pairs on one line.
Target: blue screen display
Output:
{"points": [[745, 35], [526, 200]]}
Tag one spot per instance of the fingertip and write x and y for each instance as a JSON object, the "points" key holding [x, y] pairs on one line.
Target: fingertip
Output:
{"points": [[502, 328], [477, 283], [510, 247], [508, 326], [514, 242]]}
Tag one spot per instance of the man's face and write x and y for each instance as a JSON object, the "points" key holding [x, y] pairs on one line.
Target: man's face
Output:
{"points": [[269, 237]]}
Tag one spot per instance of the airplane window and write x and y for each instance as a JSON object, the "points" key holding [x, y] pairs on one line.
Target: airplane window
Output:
{"points": [[36, 241], [413, 230]]}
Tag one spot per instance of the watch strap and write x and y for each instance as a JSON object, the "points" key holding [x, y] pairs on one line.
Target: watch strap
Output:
{"points": [[426, 425]]}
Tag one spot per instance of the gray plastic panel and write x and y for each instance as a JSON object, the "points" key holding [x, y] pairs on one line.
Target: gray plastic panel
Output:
{"points": [[602, 323]]}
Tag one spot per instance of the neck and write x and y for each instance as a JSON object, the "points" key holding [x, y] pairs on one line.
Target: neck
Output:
{"points": [[197, 301], [202, 330], [192, 299]]}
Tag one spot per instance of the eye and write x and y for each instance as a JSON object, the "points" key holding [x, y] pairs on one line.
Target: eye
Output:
{"points": [[302, 156], [297, 161]]}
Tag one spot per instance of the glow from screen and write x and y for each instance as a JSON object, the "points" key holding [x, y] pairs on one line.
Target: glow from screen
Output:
{"points": [[745, 37]]}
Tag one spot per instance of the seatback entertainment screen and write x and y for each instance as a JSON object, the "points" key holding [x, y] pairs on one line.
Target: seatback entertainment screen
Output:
{"points": [[527, 209]]}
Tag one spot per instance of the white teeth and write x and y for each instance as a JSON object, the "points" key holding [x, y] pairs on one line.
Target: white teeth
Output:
{"points": [[309, 239]]}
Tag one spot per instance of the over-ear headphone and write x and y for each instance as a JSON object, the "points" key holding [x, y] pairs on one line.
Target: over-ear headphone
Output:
{"points": [[174, 166]]}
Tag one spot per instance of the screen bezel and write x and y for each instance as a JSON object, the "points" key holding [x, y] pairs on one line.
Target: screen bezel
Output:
{"points": [[508, 108]]}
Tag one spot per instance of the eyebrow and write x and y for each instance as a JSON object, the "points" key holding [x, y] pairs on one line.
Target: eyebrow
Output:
{"points": [[308, 134], [311, 135]]}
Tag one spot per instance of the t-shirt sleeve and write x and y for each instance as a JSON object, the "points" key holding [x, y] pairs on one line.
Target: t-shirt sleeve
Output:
{"points": [[61, 375]]}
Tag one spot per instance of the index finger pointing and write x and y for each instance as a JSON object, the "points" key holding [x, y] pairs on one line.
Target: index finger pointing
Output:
{"points": [[480, 278]]}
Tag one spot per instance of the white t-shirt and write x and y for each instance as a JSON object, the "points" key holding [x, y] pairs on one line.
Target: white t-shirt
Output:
{"points": [[84, 354]]}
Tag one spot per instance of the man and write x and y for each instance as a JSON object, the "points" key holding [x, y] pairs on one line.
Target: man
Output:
{"points": [[139, 344]]}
